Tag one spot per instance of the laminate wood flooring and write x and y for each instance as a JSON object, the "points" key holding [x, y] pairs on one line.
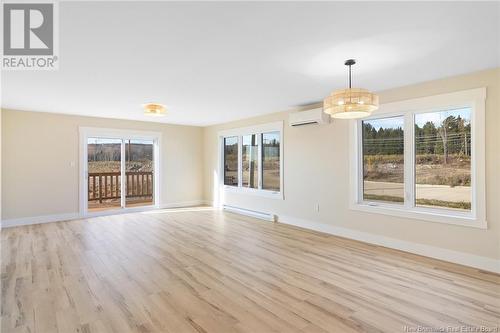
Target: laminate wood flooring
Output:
{"points": [[203, 270]]}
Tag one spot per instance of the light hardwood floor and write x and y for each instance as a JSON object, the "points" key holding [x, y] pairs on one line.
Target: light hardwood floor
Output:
{"points": [[209, 271]]}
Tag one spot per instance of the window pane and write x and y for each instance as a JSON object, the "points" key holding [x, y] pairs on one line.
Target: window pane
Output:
{"points": [[104, 173], [383, 160], [271, 161], [139, 173], [249, 161], [443, 159], [231, 161]]}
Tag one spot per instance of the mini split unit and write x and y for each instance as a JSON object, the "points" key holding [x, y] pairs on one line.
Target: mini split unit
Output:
{"points": [[309, 117]]}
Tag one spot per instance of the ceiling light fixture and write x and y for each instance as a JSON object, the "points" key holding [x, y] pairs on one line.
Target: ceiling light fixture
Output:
{"points": [[154, 109], [350, 103]]}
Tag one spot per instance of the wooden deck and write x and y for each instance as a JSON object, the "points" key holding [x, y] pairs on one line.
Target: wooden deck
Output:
{"points": [[200, 270]]}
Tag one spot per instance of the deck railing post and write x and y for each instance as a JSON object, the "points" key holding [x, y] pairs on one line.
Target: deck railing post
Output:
{"points": [[100, 189]]}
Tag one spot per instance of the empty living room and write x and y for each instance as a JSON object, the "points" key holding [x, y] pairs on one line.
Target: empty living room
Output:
{"points": [[251, 167]]}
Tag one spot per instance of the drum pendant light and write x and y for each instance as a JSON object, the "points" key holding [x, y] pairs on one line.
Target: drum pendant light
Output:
{"points": [[350, 103]]}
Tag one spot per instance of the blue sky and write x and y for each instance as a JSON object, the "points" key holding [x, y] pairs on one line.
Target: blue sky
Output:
{"points": [[421, 118], [438, 117], [393, 122]]}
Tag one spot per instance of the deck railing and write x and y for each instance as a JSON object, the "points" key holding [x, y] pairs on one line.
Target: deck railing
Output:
{"points": [[107, 185]]}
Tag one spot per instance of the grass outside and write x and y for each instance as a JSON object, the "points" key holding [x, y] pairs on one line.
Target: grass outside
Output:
{"points": [[421, 202], [429, 169], [270, 171], [114, 166]]}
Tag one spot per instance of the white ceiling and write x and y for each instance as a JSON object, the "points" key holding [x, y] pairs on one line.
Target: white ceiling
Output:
{"points": [[217, 62]]}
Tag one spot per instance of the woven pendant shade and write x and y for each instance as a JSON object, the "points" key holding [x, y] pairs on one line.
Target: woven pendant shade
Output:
{"points": [[350, 103]]}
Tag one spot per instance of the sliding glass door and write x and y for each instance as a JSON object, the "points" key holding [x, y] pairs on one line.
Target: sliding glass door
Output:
{"points": [[120, 172]]}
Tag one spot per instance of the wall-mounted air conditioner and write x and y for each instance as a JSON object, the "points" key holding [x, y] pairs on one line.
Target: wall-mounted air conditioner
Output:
{"points": [[309, 117]]}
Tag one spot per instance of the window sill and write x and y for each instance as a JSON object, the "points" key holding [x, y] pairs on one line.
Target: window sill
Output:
{"points": [[429, 215], [253, 191]]}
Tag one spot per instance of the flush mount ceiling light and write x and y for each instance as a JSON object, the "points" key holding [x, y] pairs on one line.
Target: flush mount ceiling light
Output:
{"points": [[154, 109], [350, 103]]}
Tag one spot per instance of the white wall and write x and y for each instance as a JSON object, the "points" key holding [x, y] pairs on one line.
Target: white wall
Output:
{"points": [[38, 149], [0, 167], [316, 170]]}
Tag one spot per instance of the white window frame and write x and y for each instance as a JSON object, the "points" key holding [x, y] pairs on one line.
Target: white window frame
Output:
{"points": [[473, 98], [121, 134], [240, 132]]}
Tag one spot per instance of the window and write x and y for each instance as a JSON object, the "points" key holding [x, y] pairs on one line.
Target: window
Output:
{"points": [[443, 159], [104, 174], [231, 161], [139, 172], [252, 159], [427, 163], [271, 161], [250, 163], [383, 160]]}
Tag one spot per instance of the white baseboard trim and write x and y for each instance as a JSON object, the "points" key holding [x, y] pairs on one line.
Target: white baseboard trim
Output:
{"points": [[39, 219], [74, 216], [466, 259], [252, 213], [181, 204]]}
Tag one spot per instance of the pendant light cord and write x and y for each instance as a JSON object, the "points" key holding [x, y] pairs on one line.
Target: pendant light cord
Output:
{"points": [[349, 63], [350, 76]]}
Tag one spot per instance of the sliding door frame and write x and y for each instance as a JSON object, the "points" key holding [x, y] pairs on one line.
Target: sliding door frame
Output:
{"points": [[121, 134]]}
